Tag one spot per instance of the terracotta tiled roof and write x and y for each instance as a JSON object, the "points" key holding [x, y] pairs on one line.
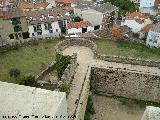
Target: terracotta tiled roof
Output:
{"points": [[146, 28], [49, 15], [13, 12], [25, 5], [78, 24], [157, 2], [137, 16], [68, 8], [64, 1]]}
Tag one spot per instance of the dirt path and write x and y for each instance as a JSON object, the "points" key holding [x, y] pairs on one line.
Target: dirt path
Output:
{"points": [[85, 56]]}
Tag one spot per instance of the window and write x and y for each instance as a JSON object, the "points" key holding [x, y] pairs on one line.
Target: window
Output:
{"points": [[35, 28], [39, 33], [33, 34], [15, 21], [39, 27], [56, 30], [46, 26], [49, 26], [17, 28], [50, 31]]}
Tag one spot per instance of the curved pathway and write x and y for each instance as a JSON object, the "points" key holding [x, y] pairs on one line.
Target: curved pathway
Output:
{"points": [[85, 58]]}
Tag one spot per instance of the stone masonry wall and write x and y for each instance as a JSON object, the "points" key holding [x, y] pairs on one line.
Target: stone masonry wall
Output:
{"points": [[124, 83], [119, 59], [70, 70]]}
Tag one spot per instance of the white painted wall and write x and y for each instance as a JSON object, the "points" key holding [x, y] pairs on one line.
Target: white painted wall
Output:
{"points": [[153, 39], [146, 3], [94, 17], [151, 11], [55, 27], [135, 26], [79, 30], [74, 30]]}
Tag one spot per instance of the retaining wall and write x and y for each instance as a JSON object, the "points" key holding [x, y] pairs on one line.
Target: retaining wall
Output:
{"points": [[119, 59], [129, 84], [70, 70]]}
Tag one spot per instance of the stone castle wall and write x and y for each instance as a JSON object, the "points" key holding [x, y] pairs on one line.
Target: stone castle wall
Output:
{"points": [[119, 59], [69, 72], [129, 84]]}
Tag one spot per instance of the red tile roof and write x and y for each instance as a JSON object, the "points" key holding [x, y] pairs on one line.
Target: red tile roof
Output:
{"points": [[25, 5], [41, 16], [157, 2], [78, 24], [146, 28], [137, 16], [13, 12], [68, 8]]}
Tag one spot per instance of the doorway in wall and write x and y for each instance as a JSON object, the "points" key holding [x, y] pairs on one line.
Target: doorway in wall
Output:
{"points": [[97, 27], [84, 30]]}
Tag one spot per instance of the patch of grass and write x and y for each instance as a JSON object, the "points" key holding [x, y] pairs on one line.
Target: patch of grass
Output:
{"points": [[128, 49], [89, 108], [27, 59]]}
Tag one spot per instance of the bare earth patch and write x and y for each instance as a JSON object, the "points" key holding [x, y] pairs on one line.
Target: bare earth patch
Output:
{"points": [[108, 108]]}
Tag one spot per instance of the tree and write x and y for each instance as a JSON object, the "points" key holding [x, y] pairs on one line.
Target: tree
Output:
{"points": [[124, 6], [78, 19], [61, 63], [14, 72]]}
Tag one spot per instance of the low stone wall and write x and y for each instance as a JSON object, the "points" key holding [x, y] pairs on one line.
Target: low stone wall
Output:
{"points": [[127, 60], [83, 97], [119, 59], [79, 42], [129, 84], [69, 72], [50, 68], [15, 44]]}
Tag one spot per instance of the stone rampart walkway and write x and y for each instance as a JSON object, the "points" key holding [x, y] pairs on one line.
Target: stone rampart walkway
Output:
{"points": [[85, 58]]}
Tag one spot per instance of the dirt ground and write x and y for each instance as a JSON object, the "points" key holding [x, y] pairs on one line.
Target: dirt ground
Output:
{"points": [[108, 108]]}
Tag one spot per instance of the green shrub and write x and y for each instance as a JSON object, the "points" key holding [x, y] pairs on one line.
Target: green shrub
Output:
{"points": [[78, 19], [89, 108], [26, 80], [30, 80], [64, 88], [14, 72], [61, 64]]}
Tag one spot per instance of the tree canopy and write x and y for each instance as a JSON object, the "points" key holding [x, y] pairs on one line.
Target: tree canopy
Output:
{"points": [[124, 6]]}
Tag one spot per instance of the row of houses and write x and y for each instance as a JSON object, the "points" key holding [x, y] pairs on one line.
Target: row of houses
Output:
{"points": [[147, 29], [43, 19]]}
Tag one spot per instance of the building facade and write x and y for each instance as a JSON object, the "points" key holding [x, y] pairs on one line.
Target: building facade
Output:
{"points": [[79, 27], [153, 38], [99, 15]]}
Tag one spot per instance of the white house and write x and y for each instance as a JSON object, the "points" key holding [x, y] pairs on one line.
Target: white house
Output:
{"points": [[47, 23], [50, 29], [136, 21], [79, 27], [153, 38], [149, 6], [147, 3], [99, 15], [20, 102]]}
